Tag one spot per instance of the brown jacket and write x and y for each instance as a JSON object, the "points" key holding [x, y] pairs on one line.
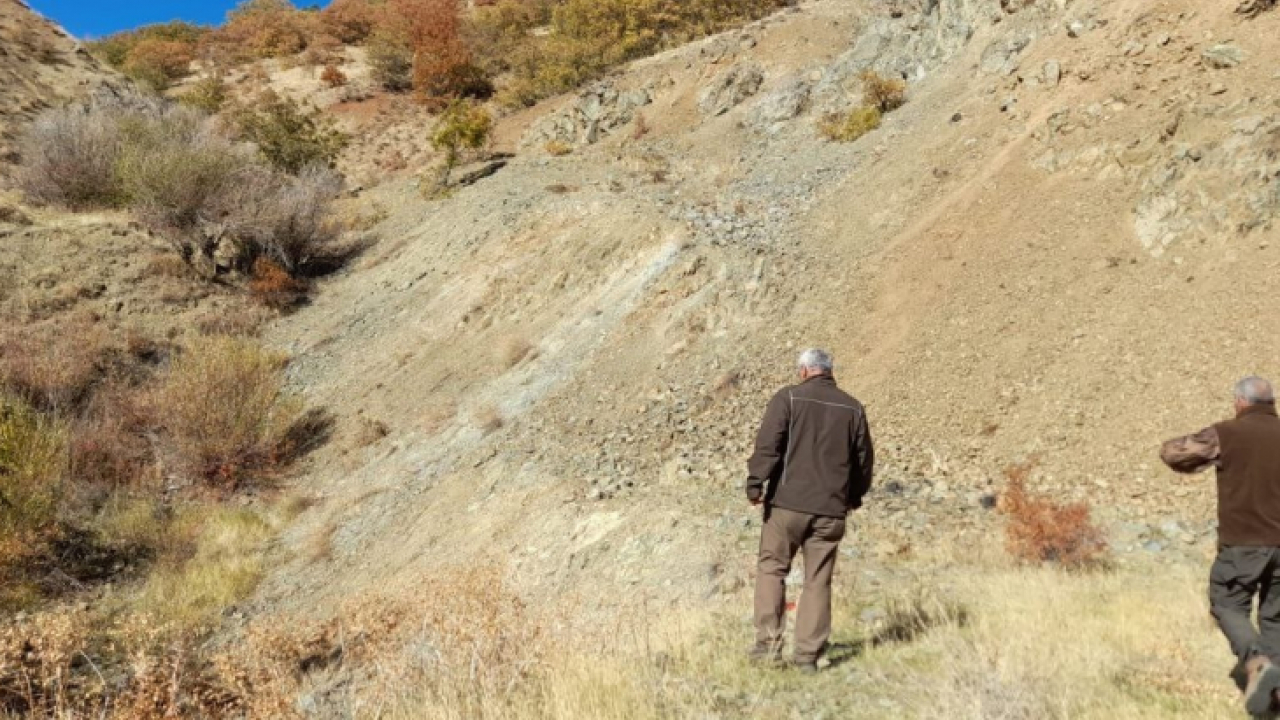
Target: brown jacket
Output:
{"points": [[813, 452], [1246, 452]]}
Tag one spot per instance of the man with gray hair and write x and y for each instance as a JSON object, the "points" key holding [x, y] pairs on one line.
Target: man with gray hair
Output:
{"points": [[1246, 453], [812, 464]]}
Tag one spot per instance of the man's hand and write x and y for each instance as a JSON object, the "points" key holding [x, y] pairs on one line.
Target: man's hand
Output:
{"points": [[755, 501]]}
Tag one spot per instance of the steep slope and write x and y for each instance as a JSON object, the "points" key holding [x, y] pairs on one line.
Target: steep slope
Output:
{"points": [[1060, 250], [40, 65]]}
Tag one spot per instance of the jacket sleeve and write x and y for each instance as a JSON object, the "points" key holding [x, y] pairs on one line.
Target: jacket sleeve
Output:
{"points": [[765, 465], [865, 453], [1193, 453]]}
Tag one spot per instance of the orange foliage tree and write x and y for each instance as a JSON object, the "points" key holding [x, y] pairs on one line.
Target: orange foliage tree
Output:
{"points": [[442, 63]]}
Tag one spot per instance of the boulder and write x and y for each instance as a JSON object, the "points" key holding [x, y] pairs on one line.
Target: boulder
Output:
{"points": [[783, 104], [730, 88], [1222, 56]]}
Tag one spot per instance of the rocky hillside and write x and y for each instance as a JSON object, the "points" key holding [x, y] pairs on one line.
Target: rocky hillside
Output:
{"points": [[1058, 252], [40, 66]]}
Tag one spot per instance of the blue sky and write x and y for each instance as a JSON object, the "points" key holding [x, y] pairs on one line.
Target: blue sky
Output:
{"points": [[95, 18]]}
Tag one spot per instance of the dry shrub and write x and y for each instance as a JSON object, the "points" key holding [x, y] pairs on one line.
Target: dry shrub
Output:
{"points": [[882, 93], [69, 159], [221, 411], [324, 49], [239, 321], [177, 171], [272, 286], [157, 63], [850, 127], [261, 29], [289, 218], [115, 49], [333, 77], [53, 366], [1041, 530], [590, 36], [350, 21], [496, 31], [442, 65], [109, 446]]}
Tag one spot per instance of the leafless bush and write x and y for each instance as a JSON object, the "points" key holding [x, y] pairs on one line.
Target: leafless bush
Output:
{"points": [[288, 218], [69, 158], [179, 171]]}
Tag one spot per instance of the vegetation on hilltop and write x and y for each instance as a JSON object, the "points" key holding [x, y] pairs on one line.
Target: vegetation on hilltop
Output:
{"points": [[523, 49]]}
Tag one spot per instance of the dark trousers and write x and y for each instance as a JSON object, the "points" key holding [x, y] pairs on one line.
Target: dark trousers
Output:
{"points": [[1240, 574]]}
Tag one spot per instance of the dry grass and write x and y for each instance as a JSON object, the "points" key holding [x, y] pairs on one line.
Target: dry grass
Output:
{"points": [[847, 128], [53, 366], [225, 563], [558, 148], [241, 322]]}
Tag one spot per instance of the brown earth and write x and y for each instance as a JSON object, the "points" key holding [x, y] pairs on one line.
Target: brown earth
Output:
{"points": [[1023, 263], [1060, 251]]}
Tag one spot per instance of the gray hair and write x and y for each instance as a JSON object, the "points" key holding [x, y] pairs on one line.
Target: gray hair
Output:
{"points": [[815, 359], [1254, 390]]}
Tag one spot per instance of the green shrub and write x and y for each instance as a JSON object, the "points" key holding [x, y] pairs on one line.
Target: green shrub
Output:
{"points": [[176, 170], [391, 60], [462, 126], [32, 470], [847, 128], [289, 136], [209, 94]]}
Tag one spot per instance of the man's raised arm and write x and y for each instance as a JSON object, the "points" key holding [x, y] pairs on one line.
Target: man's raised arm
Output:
{"points": [[1192, 453]]}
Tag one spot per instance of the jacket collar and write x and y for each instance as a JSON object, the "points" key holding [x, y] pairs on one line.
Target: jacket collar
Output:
{"points": [[826, 379], [1263, 408]]}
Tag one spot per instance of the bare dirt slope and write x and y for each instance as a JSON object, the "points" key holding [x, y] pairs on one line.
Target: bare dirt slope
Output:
{"points": [[40, 66], [1063, 248]]}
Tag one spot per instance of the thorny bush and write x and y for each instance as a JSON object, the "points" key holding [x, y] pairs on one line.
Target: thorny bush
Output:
{"points": [[1040, 530]]}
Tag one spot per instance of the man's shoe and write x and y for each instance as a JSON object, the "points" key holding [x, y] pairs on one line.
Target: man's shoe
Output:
{"points": [[806, 668], [767, 654], [1263, 683]]}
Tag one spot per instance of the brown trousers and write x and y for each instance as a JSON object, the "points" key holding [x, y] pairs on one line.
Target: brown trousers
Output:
{"points": [[785, 532]]}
